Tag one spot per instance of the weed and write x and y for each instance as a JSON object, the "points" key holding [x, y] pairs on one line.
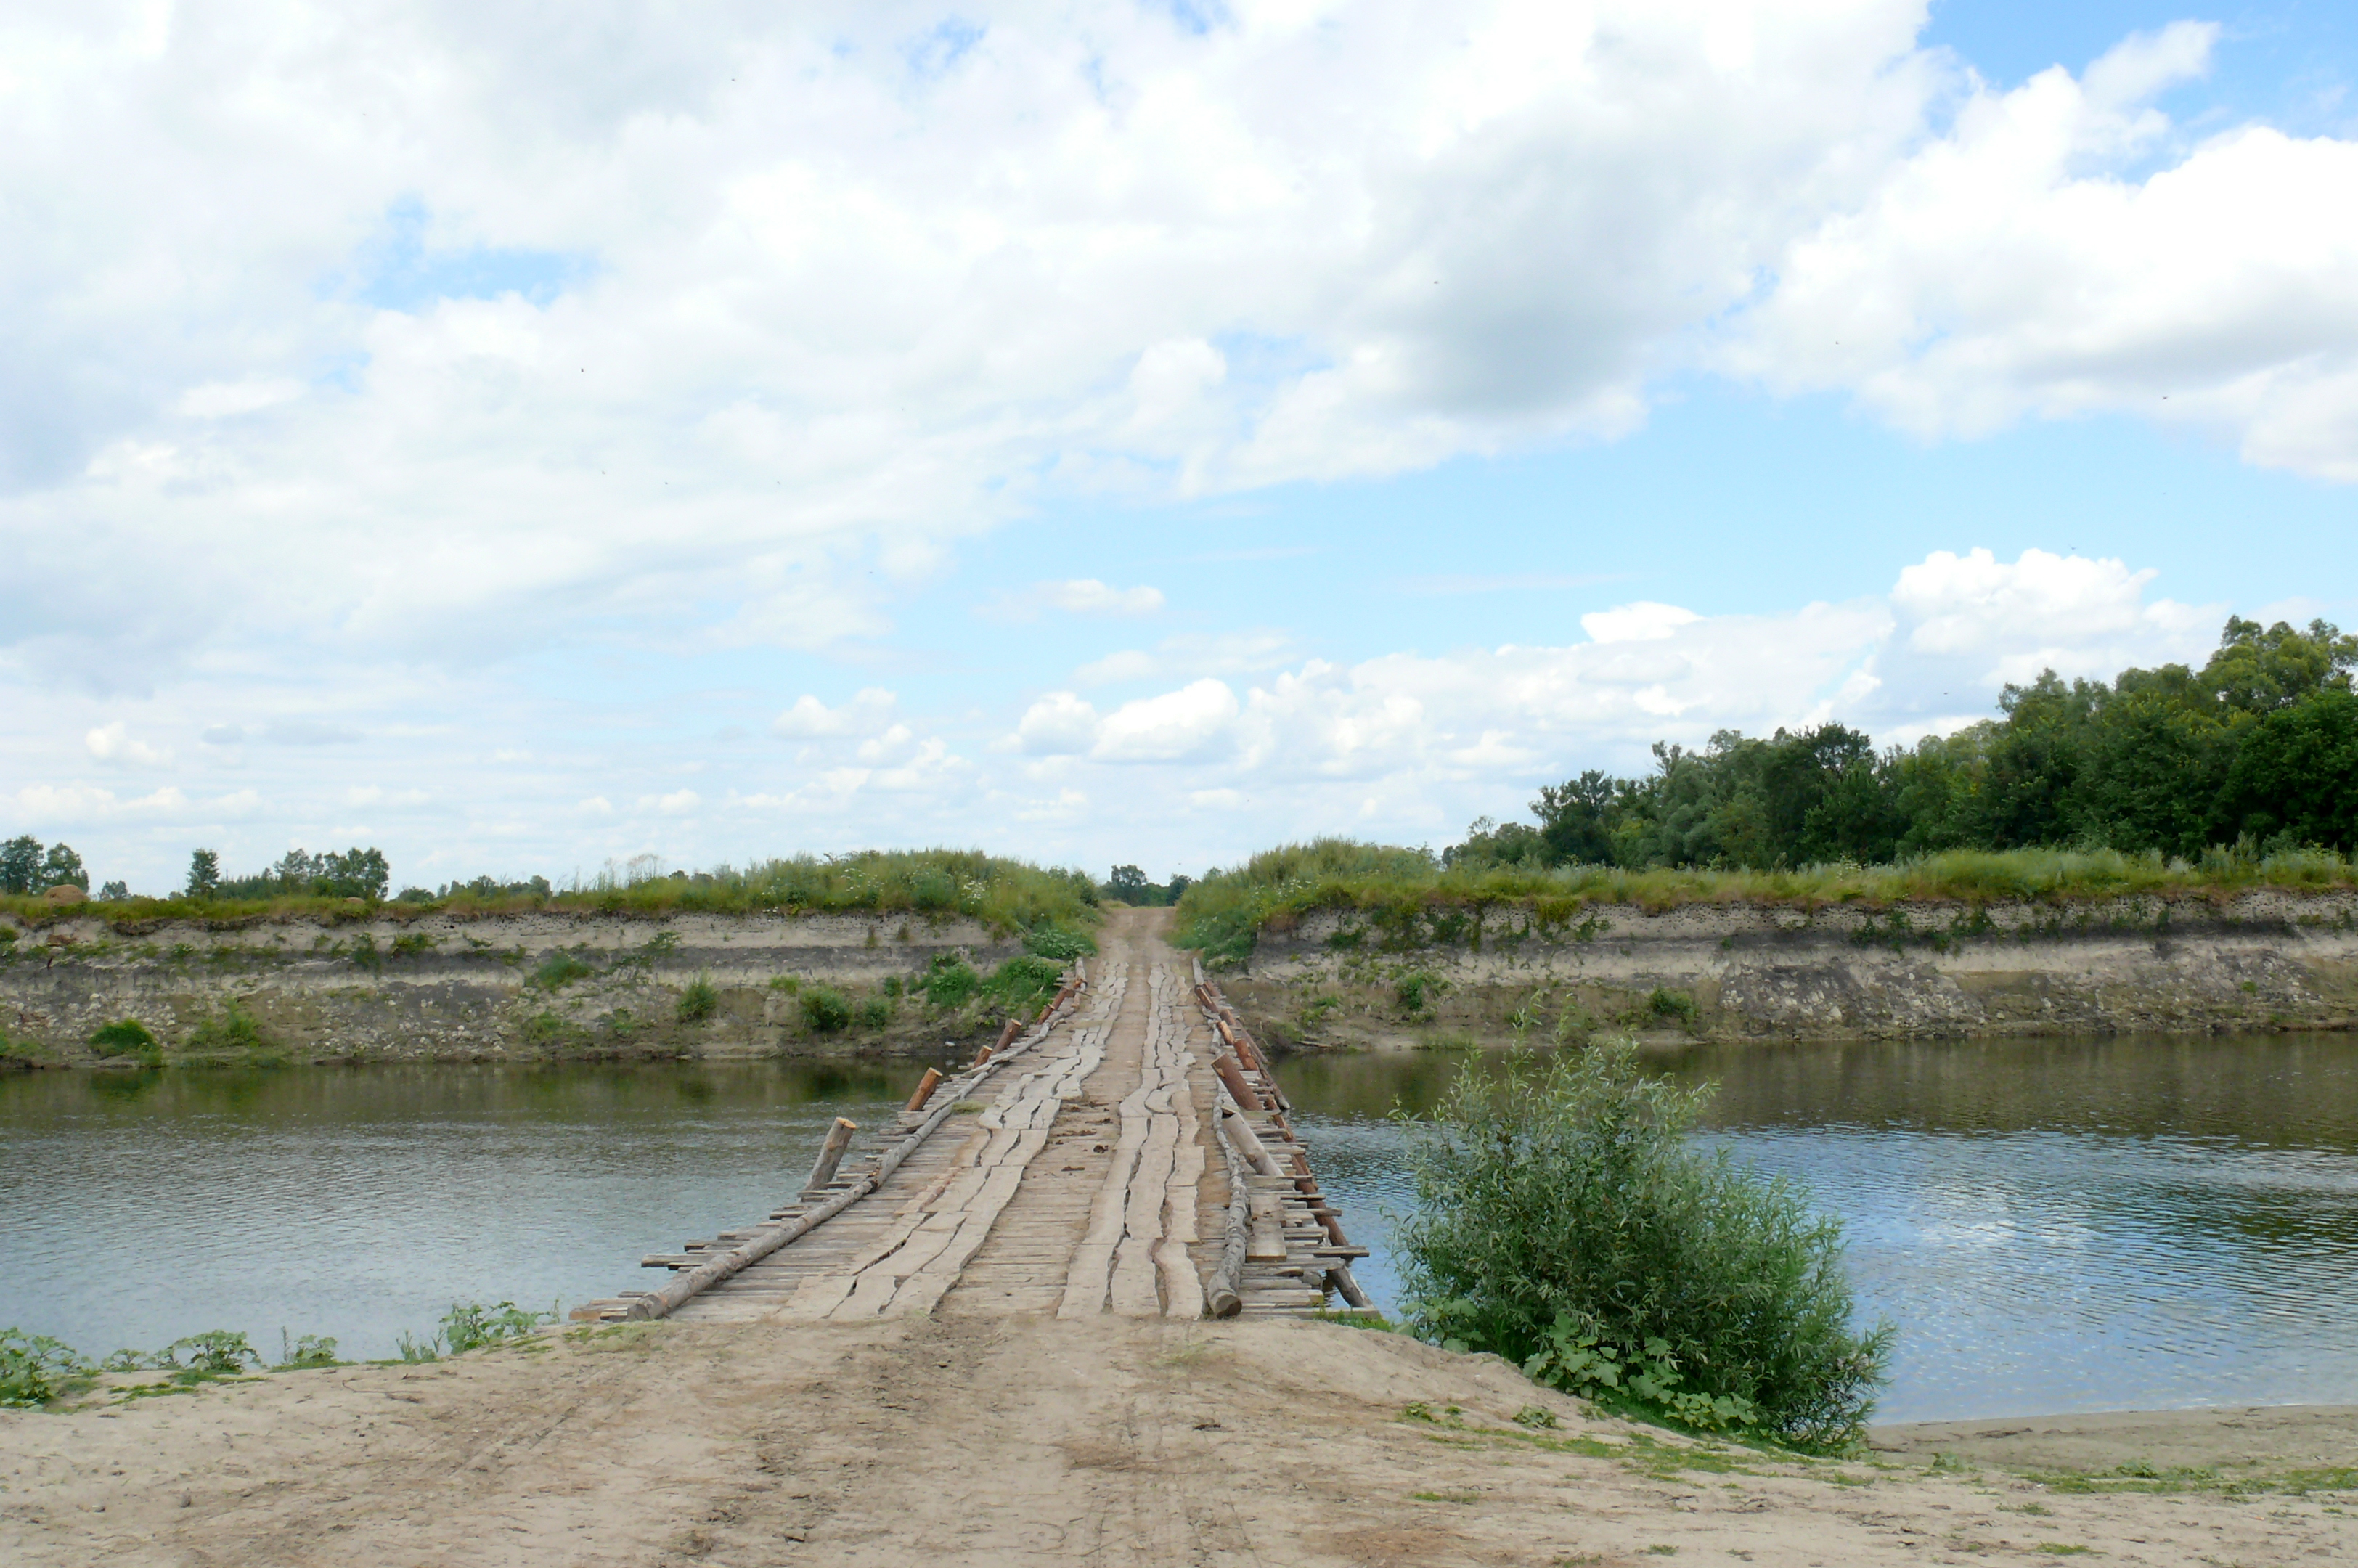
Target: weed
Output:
{"points": [[787, 983], [470, 1326], [1414, 990], [35, 1368], [698, 1001], [1539, 1418], [1451, 1497], [560, 969], [1660, 1549], [2062, 1549], [1062, 943], [876, 1012], [950, 980], [312, 1350], [235, 1031]]}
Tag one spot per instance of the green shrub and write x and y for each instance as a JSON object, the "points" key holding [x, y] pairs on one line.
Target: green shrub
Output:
{"points": [[1057, 942], [786, 983], [35, 1368], [950, 980], [216, 1353], [825, 1010], [875, 1012], [698, 1001], [127, 1038], [1415, 990], [1666, 1003], [1563, 1221], [558, 970]]}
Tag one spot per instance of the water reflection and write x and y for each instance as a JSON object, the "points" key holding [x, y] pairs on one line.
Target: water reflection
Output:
{"points": [[360, 1202], [2057, 1226]]}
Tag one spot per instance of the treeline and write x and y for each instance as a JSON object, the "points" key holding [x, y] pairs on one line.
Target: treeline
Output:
{"points": [[1128, 884], [2259, 748], [355, 873]]}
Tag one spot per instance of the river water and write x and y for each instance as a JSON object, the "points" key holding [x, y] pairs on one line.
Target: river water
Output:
{"points": [[2056, 1226]]}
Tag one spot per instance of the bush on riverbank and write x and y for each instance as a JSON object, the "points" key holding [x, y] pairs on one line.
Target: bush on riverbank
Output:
{"points": [[1565, 1222]]}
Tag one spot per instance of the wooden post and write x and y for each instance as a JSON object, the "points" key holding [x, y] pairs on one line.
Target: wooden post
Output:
{"points": [[1234, 1078], [1006, 1035], [830, 1154], [984, 1057], [926, 1087]]}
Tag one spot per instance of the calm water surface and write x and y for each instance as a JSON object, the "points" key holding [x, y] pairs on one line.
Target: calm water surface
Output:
{"points": [[2110, 1225], [2123, 1224]]}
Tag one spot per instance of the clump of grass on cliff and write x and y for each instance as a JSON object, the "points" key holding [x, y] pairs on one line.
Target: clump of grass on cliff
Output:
{"points": [[1223, 914], [1008, 896]]}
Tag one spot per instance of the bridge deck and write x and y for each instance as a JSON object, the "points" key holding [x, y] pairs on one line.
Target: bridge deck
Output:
{"points": [[1087, 1176]]}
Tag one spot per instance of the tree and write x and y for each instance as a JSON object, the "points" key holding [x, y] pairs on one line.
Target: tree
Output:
{"points": [[1129, 884], [1577, 819], [114, 892], [61, 867], [20, 864], [204, 873], [2296, 775]]}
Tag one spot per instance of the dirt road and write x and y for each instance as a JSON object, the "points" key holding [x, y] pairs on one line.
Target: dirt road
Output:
{"points": [[1023, 1439]]}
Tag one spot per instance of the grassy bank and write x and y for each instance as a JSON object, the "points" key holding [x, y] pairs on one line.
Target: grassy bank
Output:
{"points": [[1223, 914], [1007, 896]]}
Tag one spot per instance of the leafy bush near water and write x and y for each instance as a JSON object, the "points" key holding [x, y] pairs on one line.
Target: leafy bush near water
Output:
{"points": [[698, 1000], [127, 1037], [1565, 1222], [826, 1009]]}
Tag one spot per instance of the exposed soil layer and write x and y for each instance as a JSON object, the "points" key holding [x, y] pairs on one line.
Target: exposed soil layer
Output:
{"points": [[525, 986], [1019, 1440], [2261, 961]]}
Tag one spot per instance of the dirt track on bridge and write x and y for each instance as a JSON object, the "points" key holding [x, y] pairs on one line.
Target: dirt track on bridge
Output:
{"points": [[1021, 1440]]}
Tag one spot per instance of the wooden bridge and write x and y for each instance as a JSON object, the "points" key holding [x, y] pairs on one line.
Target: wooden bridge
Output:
{"points": [[1128, 1152]]}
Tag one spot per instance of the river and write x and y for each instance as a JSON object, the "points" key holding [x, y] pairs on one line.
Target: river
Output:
{"points": [[2056, 1226]]}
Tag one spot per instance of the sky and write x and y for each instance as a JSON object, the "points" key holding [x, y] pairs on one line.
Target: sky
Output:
{"points": [[526, 438]]}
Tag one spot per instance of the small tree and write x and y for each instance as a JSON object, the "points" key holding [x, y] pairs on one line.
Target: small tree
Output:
{"points": [[1129, 884], [204, 873]]}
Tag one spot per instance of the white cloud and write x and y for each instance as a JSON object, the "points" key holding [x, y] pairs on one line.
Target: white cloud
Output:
{"points": [[112, 745], [1185, 724], [1076, 596], [223, 400], [867, 713], [1643, 622], [2028, 262], [1056, 725]]}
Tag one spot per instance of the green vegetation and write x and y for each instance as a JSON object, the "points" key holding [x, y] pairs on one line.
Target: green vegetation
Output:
{"points": [[1006, 895], [2259, 747], [1565, 1222], [698, 1001], [234, 1031], [825, 1010], [127, 1038], [2167, 781], [29, 870], [35, 1368], [1128, 884], [560, 969]]}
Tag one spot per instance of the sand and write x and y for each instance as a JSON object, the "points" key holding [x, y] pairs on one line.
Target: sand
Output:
{"points": [[1025, 1441]]}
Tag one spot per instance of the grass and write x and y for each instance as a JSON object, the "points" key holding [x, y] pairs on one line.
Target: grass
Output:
{"points": [[1007, 896], [1407, 897]]}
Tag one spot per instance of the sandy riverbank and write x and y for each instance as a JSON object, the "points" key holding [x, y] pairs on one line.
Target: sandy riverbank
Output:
{"points": [[1017, 1441]]}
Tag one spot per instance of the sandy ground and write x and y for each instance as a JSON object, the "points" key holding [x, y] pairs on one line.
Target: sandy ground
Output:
{"points": [[1025, 1441]]}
